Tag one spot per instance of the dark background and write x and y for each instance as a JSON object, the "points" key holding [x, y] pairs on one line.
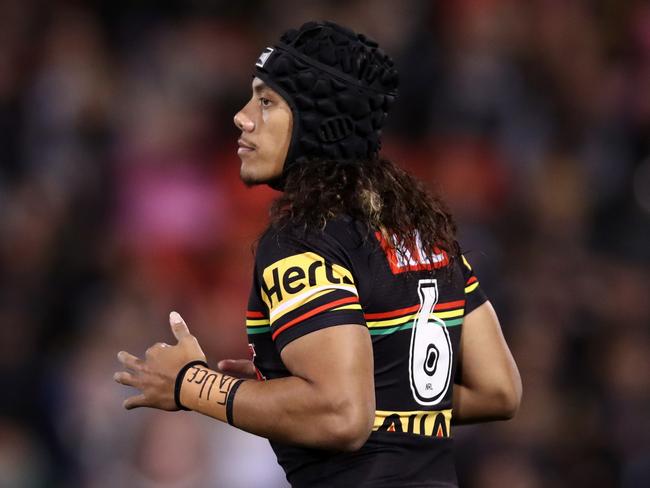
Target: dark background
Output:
{"points": [[120, 201]]}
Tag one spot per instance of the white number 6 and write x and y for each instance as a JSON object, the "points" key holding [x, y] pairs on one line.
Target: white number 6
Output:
{"points": [[431, 355]]}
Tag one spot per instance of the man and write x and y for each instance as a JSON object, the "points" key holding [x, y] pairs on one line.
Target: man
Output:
{"points": [[359, 292]]}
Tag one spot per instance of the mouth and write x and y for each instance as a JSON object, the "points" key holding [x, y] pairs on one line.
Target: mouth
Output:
{"points": [[244, 147]]}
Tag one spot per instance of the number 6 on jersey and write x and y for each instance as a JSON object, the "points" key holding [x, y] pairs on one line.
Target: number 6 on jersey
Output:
{"points": [[431, 355]]}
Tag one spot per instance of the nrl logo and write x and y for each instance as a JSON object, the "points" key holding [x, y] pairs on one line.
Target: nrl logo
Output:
{"points": [[264, 57]]}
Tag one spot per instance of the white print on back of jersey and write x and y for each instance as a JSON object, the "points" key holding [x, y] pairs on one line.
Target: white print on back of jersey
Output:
{"points": [[402, 259], [405, 259], [431, 355]]}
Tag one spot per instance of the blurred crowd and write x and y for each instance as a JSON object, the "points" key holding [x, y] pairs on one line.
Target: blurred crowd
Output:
{"points": [[120, 201]]}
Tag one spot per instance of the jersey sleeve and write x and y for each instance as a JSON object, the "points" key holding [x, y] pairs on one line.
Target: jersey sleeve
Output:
{"points": [[257, 315], [474, 294], [305, 285]]}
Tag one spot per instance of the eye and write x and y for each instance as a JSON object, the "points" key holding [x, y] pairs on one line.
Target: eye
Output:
{"points": [[265, 102]]}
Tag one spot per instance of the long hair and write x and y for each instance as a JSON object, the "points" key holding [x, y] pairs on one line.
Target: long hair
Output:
{"points": [[375, 192]]}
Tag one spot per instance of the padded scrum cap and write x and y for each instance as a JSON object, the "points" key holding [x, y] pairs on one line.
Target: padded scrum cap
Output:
{"points": [[339, 85]]}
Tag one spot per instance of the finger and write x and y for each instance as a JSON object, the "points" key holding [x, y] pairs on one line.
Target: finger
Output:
{"points": [[125, 378], [179, 327], [129, 360], [240, 367], [135, 402], [152, 350]]}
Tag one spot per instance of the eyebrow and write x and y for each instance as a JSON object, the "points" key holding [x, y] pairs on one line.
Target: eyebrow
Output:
{"points": [[257, 89]]}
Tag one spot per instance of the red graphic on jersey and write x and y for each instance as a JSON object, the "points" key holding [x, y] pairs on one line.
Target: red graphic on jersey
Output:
{"points": [[253, 355], [391, 428], [412, 259], [315, 311]]}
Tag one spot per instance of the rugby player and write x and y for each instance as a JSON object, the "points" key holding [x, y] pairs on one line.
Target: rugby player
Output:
{"points": [[369, 332]]}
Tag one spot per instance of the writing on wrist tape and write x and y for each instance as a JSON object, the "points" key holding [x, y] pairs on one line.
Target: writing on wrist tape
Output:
{"points": [[179, 381]]}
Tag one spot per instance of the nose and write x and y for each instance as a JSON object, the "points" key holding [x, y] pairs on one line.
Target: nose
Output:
{"points": [[243, 121]]}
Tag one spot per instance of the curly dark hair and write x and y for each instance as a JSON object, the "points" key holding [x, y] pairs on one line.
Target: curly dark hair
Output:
{"points": [[375, 192]]}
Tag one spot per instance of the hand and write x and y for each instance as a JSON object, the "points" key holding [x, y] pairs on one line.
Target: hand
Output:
{"points": [[240, 368], [155, 376]]}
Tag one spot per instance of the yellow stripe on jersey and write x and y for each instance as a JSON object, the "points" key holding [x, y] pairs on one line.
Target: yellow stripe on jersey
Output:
{"points": [[256, 322], [298, 301], [472, 287], [354, 306], [407, 318]]}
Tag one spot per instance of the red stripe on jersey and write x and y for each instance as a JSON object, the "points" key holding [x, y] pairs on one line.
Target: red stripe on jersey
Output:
{"points": [[414, 308], [254, 315], [471, 280], [448, 305], [392, 313], [311, 313]]}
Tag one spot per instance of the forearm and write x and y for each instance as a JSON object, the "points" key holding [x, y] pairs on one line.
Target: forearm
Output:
{"points": [[489, 386], [291, 409], [474, 405]]}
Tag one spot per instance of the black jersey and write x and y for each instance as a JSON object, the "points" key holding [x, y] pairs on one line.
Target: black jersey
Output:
{"points": [[413, 309]]}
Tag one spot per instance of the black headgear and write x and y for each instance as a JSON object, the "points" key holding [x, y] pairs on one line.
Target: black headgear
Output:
{"points": [[339, 86]]}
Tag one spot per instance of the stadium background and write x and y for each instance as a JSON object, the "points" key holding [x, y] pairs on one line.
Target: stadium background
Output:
{"points": [[120, 200]]}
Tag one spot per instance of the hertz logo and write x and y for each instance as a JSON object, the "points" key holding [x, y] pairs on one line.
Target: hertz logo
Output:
{"points": [[301, 273]]}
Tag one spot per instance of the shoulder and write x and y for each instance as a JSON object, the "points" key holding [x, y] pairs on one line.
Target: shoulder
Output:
{"points": [[340, 235]]}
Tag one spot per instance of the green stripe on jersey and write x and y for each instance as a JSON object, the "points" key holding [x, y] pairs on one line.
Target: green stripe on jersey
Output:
{"points": [[373, 330], [257, 330], [409, 325]]}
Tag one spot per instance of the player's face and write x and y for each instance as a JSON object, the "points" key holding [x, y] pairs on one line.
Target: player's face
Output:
{"points": [[266, 123]]}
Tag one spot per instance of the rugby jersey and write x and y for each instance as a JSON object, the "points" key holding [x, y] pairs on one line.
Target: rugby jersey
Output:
{"points": [[413, 309]]}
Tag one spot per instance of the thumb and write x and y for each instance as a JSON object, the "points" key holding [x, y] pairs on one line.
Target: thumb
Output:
{"points": [[239, 367], [179, 327]]}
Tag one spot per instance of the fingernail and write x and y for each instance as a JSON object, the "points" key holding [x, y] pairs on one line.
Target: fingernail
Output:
{"points": [[175, 318]]}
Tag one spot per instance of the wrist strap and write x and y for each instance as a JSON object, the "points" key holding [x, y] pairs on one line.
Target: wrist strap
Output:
{"points": [[230, 401], [179, 381]]}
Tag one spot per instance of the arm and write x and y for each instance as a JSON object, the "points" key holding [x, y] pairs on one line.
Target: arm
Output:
{"points": [[328, 402], [490, 386]]}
